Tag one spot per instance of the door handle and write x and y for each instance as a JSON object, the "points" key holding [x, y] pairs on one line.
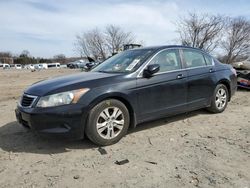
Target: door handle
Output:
{"points": [[211, 70], [179, 76]]}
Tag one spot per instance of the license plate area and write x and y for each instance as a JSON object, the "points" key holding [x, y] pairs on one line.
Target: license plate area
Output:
{"points": [[18, 116], [21, 120]]}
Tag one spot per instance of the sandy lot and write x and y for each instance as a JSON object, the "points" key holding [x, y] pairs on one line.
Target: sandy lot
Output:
{"points": [[197, 149]]}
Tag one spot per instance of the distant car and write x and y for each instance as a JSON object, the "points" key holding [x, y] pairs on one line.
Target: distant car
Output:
{"points": [[5, 66], [18, 66], [129, 88], [37, 67], [71, 65], [243, 73], [29, 66], [63, 66], [54, 65], [92, 64], [89, 66], [131, 46], [77, 64], [43, 66]]}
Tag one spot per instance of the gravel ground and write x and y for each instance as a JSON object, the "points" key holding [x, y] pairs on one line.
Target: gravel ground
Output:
{"points": [[196, 149]]}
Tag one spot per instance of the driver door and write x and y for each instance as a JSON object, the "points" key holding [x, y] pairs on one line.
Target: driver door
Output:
{"points": [[165, 92]]}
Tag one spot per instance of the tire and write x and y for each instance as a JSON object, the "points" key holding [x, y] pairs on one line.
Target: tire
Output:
{"points": [[219, 100], [108, 122]]}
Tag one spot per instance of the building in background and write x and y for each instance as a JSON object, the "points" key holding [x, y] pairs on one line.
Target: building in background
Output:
{"points": [[6, 60]]}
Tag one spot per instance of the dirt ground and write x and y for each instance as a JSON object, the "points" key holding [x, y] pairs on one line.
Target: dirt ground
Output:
{"points": [[197, 149]]}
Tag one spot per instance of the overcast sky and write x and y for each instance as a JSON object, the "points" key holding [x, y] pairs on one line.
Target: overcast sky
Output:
{"points": [[49, 27]]}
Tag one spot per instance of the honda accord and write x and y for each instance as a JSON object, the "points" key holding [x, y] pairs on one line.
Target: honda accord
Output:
{"points": [[129, 88]]}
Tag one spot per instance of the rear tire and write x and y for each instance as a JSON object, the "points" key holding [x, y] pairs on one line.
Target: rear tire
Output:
{"points": [[220, 99], [108, 122]]}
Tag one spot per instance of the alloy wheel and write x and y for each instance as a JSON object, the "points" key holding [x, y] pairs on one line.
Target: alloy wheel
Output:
{"points": [[221, 98], [110, 122]]}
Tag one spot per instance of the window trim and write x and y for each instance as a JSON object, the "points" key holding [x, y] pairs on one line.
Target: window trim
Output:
{"points": [[183, 63]]}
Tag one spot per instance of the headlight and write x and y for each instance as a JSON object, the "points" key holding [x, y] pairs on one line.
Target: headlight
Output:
{"points": [[63, 98]]}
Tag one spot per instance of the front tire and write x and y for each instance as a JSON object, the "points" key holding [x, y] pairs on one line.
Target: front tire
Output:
{"points": [[108, 122], [220, 99]]}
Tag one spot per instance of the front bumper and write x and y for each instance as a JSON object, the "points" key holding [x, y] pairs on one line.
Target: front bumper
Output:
{"points": [[64, 121]]}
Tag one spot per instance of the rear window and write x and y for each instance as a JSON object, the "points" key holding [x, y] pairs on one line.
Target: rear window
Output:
{"points": [[193, 58]]}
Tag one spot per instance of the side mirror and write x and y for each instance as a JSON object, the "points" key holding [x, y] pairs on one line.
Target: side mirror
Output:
{"points": [[150, 70]]}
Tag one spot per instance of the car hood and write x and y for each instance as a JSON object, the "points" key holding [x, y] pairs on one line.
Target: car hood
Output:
{"points": [[67, 83]]}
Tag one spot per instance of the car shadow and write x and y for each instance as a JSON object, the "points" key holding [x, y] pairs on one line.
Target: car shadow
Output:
{"points": [[243, 89], [14, 138], [167, 120]]}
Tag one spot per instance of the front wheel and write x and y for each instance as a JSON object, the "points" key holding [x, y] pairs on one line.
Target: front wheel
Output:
{"points": [[108, 122], [219, 99]]}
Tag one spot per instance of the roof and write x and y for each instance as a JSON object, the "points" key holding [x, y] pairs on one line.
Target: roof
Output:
{"points": [[167, 46]]}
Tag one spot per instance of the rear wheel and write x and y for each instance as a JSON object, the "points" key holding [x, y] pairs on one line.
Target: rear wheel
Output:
{"points": [[108, 122], [219, 99]]}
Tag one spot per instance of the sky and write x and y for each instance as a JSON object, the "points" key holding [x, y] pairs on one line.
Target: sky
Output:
{"points": [[49, 27]]}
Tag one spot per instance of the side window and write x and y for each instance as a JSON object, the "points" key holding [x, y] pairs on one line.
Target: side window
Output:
{"points": [[193, 58], [208, 60], [168, 60]]}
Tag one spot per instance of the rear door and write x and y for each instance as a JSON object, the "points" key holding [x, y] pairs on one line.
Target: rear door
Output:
{"points": [[165, 92], [200, 78]]}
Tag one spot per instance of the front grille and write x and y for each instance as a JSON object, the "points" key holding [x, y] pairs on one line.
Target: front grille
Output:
{"points": [[27, 100]]}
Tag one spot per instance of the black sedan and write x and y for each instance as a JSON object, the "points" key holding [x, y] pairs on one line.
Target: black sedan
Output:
{"points": [[129, 88]]}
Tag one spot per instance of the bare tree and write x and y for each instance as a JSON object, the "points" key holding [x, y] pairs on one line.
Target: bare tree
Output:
{"points": [[80, 46], [100, 44], [95, 42], [92, 43], [236, 43], [116, 38], [25, 53], [5, 54], [61, 58], [200, 31], [25, 58]]}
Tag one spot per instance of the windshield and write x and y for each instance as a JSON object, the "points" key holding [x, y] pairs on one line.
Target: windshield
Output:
{"points": [[124, 62]]}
